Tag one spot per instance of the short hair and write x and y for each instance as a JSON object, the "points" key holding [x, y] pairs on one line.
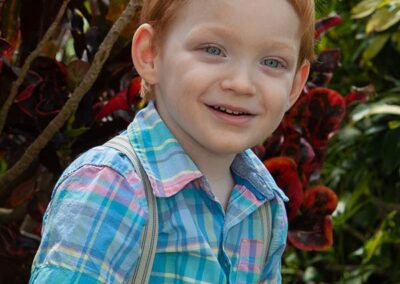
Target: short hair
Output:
{"points": [[160, 14]]}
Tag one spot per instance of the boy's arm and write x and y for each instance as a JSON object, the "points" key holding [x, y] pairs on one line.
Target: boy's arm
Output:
{"points": [[271, 273], [92, 228]]}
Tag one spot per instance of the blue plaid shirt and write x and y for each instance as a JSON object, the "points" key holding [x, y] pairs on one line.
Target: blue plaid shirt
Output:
{"points": [[92, 227]]}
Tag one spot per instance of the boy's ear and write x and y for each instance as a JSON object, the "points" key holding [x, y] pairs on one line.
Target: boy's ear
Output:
{"points": [[143, 53], [299, 81]]}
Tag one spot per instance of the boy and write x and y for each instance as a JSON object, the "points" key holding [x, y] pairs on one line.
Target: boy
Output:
{"points": [[221, 73]]}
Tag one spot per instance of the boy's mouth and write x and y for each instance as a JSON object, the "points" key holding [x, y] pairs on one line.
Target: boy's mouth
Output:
{"points": [[230, 111]]}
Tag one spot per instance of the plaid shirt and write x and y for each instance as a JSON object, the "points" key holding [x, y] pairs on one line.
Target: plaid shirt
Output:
{"points": [[92, 227]]}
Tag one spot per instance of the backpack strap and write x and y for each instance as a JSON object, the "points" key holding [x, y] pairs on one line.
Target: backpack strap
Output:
{"points": [[150, 233], [266, 218]]}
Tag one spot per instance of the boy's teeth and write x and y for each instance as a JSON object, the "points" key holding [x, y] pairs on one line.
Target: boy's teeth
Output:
{"points": [[228, 110]]}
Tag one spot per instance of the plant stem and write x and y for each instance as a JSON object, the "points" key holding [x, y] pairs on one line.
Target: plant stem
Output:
{"points": [[25, 67], [72, 104]]}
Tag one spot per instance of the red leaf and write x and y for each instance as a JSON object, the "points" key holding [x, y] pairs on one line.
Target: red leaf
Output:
{"points": [[327, 60], [320, 200], [133, 94], [284, 170], [317, 237], [23, 192], [26, 93], [325, 24], [323, 67], [321, 118], [360, 95], [117, 102], [121, 101]]}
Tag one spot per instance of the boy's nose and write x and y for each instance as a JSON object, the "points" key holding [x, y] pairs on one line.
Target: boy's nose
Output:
{"points": [[239, 82]]}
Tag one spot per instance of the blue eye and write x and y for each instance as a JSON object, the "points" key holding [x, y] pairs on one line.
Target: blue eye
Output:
{"points": [[273, 63], [213, 50]]}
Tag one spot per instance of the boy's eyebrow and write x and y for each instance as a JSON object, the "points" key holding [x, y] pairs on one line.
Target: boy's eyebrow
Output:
{"points": [[232, 35]]}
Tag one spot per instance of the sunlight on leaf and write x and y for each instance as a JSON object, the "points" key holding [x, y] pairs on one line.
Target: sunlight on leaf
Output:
{"points": [[383, 19], [364, 8], [375, 46], [376, 109]]}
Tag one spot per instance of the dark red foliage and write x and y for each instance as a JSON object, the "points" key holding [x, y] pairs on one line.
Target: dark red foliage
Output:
{"points": [[323, 67], [325, 24], [5, 51], [286, 176], [323, 111], [312, 234], [320, 200], [123, 100], [5, 47], [295, 152], [48, 95], [360, 95]]}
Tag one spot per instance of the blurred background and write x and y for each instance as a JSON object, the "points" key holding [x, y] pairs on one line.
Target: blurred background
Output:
{"points": [[336, 153]]}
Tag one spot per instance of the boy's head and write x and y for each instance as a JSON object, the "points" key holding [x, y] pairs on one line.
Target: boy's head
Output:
{"points": [[161, 13], [223, 72]]}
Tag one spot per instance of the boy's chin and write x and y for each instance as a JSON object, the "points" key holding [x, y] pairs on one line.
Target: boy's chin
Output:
{"points": [[229, 149]]}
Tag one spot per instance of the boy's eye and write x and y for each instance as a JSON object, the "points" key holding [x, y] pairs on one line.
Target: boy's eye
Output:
{"points": [[273, 63], [213, 50]]}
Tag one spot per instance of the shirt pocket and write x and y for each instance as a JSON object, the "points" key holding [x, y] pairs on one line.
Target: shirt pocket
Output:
{"points": [[250, 255]]}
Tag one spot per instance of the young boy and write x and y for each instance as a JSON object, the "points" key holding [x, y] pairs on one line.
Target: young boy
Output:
{"points": [[220, 74]]}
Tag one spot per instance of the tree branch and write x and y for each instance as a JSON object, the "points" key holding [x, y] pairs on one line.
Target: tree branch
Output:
{"points": [[72, 104], [25, 68]]}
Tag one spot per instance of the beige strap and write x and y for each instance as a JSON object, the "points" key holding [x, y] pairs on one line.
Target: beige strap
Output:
{"points": [[266, 218], [150, 233]]}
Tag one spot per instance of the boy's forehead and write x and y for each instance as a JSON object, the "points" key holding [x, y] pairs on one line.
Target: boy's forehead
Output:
{"points": [[260, 18], [233, 10]]}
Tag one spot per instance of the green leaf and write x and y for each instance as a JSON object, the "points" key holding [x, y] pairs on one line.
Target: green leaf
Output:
{"points": [[394, 124], [382, 236], [383, 19], [373, 244], [3, 166], [375, 46], [74, 132], [396, 40], [376, 109], [364, 8]]}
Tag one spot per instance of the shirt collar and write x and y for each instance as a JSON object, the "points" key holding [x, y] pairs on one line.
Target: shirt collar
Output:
{"points": [[167, 165], [249, 171], [170, 169]]}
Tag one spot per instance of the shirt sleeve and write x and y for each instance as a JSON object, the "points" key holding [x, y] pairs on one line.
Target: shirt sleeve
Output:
{"points": [[92, 228], [271, 273]]}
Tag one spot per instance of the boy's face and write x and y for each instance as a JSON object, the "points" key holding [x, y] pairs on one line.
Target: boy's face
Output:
{"points": [[227, 72]]}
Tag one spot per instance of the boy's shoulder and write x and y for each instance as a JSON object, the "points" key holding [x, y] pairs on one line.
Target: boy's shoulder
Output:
{"points": [[91, 210], [101, 170]]}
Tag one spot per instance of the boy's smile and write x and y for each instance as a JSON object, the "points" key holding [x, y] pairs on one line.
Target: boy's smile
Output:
{"points": [[226, 72]]}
